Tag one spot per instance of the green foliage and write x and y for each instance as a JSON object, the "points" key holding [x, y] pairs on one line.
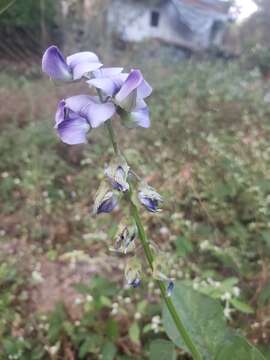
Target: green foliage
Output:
{"points": [[203, 318], [27, 14], [208, 151], [162, 350]]}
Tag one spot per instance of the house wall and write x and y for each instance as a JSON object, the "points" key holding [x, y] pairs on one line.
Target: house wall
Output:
{"points": [[133, 22]]}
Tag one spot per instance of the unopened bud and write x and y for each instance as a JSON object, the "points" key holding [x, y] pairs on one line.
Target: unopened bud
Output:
{"points": [[117, 173], [133, 272], [106, 200], [149, 198]]}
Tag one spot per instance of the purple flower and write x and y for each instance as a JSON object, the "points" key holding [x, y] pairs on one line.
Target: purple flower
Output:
{"points": [[74, 67], [135, 283], [127, 91], [76, 115], [149, 198], [170, 288], [108, 204], [105, 201], [133, 271], [117, 173]]}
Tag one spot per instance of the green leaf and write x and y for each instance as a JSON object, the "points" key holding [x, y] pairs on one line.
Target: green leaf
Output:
{"points": [[237, 348], [134, 333], [90, 345], [108, 351], [264, 296], [183, 246], [112, 330], [202, 317], [162, 350], [5, 5], [241, 306]]}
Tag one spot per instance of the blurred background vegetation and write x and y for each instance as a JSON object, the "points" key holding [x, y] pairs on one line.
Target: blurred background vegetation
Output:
{"points": [[62, 293]]}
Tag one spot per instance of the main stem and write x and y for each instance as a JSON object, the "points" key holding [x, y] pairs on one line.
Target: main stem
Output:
{"points": [[149, 256]]}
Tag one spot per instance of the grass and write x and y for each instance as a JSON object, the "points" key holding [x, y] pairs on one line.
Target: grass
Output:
{"points": [[207, 152]]}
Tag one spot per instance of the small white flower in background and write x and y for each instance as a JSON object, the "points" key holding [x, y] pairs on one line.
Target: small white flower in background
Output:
{"points": [[115, 308], [226, 296], [195, 285], [5, 174], [53, 350], [127, 300], [2, 232], [164, 230], [151, 284], [77, 217], [236, 291], [204, 245], [17, 181], [37, 277], [77, 323], [155, 323], [78, 301], [156, 319], [227, 311], [89, 298], [137, 316]]}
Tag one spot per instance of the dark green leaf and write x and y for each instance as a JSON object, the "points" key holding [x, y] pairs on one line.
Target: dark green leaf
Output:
{"points": [[162, 350], [237, 348], [202, 317], [241, 306], [108, 351]]}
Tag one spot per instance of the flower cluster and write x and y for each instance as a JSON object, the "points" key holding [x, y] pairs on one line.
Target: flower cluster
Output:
{"points": [[118, 95]]}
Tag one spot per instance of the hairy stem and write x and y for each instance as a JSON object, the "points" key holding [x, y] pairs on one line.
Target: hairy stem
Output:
{"points": [[150, 258]]}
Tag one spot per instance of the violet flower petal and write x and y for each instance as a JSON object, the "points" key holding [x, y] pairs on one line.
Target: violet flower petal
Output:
{"points": [[82, 57], [91, 109], [98, 113], [107, 72], [79, 103], [107, 85], [54, 64], [108, 205], [141, 117], [60, 113], [73, 130], [132, 82], [81, 69], [144, 90]]}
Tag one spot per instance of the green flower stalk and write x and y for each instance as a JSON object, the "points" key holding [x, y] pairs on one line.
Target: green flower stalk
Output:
{"points": [[150, 259], [123, 95]]}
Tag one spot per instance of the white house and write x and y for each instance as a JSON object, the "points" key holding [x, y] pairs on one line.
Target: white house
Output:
{"points": [[193, 24]]}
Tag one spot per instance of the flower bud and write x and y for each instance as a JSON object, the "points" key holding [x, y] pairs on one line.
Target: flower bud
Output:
{"points": [[125, 236], [160, 267], [106, 199], [149, 198], [117, 173], [170, 288], [133, 272]]}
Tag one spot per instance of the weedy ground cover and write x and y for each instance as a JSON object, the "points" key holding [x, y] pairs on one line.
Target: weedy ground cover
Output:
{"points": [[61, 287]]}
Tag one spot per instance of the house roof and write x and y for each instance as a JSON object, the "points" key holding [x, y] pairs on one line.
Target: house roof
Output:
{"points": [[219, 6]]}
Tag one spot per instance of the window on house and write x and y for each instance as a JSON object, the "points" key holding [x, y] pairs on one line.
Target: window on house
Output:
{"points": [[154, 20]]}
